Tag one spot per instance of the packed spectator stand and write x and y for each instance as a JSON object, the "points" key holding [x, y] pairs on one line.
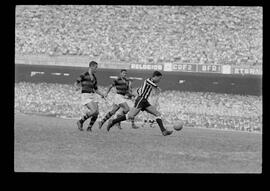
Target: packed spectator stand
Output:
{"points": [[149, 34], [197, 109]]}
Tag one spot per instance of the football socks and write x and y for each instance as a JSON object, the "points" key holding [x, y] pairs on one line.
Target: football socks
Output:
{"points": [[119, 119], [93, 120], [108, 116], [160, 124]]}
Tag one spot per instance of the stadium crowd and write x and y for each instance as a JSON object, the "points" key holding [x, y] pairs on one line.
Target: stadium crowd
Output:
{"points": [[210, 110], [149, 34]]}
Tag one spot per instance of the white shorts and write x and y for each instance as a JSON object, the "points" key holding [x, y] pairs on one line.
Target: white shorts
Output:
{"points": [[130, 103], [89, 97], [119, 99]]}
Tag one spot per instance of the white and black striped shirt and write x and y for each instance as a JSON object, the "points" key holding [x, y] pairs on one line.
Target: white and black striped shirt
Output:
{"points": [[146, 89]]}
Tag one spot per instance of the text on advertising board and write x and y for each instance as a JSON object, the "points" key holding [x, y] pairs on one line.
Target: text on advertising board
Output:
{"points": [[146, 66], [184, 67], [250, 71], [209, 68]]}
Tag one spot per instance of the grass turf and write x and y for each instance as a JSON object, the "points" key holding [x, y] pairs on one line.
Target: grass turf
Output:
{"points": [[49, 144]]}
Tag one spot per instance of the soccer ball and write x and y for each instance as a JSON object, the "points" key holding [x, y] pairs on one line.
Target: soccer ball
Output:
{"points": [[178, 126]]}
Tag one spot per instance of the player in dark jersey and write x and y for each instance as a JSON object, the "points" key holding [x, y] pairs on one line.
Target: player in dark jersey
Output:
{"points": [[130, 101], [142, 104], [122, 85], [88, 84]]}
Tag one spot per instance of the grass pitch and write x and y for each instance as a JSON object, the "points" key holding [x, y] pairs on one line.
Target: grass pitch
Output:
{"points": [[49, 144]]}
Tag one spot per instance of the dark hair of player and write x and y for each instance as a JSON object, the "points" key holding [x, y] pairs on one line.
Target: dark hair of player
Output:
{"points": [[123, 70], [156, 73], [93, 63]]}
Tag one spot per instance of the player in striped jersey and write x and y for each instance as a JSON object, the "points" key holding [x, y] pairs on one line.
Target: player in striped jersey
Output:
{"points": [[153, 100], [123, 92], [88, 84], [129, 100], [142, 104]]}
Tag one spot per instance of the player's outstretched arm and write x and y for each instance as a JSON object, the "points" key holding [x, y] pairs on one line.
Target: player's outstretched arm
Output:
{"points": [[77, 86], [159, 89], [109, 89], [77, 83], [131, 91]]}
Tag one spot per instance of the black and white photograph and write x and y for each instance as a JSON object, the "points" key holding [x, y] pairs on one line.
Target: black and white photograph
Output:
{"points": [[138, 89]]}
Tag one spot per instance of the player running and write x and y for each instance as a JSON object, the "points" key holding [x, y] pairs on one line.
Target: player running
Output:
{"points": [[88, 82], [130, 101], [120, 112], [123, 94], [153, 100], [142, 104]]}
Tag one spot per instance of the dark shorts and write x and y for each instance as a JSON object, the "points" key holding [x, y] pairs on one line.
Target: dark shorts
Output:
{"points": [[141, 103]]}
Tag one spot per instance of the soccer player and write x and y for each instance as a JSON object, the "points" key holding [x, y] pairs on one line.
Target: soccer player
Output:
{"points": [[129, 100], [88, 83], [123, 93], [142, 104], [153, 100]]}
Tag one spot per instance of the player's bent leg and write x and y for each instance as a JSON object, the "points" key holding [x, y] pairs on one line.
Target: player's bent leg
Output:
{"points": [[94, 117], [130, 115], [124, 110], [125, 107], [152, 110], [109, 115], [91, 110], [119, 114], [133, 113]]}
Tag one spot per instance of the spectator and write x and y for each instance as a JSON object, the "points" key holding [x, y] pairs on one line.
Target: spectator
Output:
{"points": [[206, 35], [211, 110]]}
